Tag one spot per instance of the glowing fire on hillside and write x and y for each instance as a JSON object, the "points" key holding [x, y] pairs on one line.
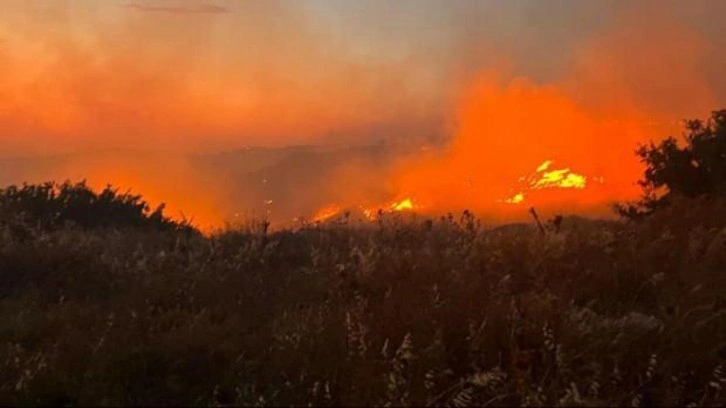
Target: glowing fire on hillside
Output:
{"points": [[544, 178], [327, 213], [504, 128], [404, 205], [370, 213]]}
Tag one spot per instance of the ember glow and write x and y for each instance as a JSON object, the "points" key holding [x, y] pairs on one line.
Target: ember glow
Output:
{"points": [[370, 213], [403, 205], [398, 206], [326, 213], [547, 178]]}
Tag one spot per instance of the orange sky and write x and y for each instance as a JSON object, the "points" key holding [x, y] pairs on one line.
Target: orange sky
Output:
{"points": [[262, 75], [508, 86]]}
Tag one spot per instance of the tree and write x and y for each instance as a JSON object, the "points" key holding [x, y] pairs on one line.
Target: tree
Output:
{"points": [[694, 170], [51, 206]]}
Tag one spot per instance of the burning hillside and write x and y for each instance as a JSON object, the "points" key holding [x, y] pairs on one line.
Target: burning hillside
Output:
{"points": [[502, 118], [519, 143], [564, 145]]}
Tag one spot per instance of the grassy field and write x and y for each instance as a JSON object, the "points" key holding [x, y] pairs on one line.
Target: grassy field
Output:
{"points": [[429, 312]]}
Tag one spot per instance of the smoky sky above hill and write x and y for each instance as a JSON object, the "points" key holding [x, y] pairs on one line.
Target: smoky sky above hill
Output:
{"points": [[216, 74], [198, 76]]}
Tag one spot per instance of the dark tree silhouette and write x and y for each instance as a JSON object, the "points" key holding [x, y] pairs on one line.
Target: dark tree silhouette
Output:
{"points": [[51, 206], [694, 170]]}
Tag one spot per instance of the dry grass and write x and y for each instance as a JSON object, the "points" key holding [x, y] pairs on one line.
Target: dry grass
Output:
{"points": [[447, 312]]}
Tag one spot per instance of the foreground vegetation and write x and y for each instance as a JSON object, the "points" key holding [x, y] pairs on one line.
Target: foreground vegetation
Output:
{"points": [[104, 301], [432, 312]]}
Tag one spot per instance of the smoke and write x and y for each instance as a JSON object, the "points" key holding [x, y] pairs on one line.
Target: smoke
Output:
{"points": [[173, 79], [631, 83], [183, 77], [200, 8], [131, 93]]}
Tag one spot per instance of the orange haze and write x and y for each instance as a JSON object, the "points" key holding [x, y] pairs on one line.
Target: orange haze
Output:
{"points": [[626, 88], [181, 79], [160, 178]]}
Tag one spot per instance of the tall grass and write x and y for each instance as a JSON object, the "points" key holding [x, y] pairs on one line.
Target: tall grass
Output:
{"points": [[434, 312]]}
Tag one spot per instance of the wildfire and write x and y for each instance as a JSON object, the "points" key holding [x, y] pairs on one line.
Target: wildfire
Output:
{"points": [[563, 178], [544, 178], [371, 212], [403, 205], [515, 199], [327, 213]]}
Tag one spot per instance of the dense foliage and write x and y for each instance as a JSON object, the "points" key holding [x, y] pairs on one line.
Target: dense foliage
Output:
{"points": [[52, 206], [434, 312], [694, 170]]}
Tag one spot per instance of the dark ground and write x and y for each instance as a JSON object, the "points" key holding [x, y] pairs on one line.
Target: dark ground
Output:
{"points": [[394, 313]]}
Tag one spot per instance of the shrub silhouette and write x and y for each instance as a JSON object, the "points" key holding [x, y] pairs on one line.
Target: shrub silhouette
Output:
{"points": [[444, 312], [51, 206], [694, 170]]}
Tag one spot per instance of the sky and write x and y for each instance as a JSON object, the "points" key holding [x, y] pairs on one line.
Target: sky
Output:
{"points": [[176, 72], [505, 84], [274, 72]]}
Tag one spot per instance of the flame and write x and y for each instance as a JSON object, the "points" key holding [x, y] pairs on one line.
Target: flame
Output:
{"points": [[544, 178], [561, 178], [326, 213], [403, 205], [515, 199], [544, 166], [369, 212]]}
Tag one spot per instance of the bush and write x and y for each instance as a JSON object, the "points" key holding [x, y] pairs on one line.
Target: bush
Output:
{"points": [[51, 206], [442, 312], [694, 170]]}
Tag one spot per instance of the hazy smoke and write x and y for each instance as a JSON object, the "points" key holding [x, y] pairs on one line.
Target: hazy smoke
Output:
{"points": [[628, 83], [181, 77], [197, 8]]}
